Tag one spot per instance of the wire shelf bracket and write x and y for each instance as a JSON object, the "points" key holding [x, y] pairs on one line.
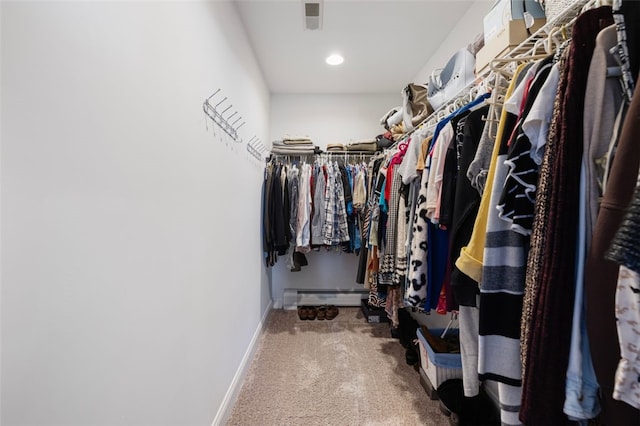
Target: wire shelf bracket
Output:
{"points": [[215, 110], [256, 148]]}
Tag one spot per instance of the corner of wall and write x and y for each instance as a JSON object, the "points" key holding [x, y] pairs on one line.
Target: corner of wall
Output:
{"points": [[1, 6], [463, 33], [224, 412]]}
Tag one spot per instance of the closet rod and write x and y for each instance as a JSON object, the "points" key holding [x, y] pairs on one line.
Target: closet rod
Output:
{"points": [[324, 155]]}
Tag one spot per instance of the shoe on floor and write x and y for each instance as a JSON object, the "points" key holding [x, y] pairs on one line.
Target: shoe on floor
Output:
{"points": [[332, 312], [303, 313], [322, 313], [312, 313]]}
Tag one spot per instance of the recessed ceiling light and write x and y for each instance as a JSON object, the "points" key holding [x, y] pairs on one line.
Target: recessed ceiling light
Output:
{"points": [[335, 59]]}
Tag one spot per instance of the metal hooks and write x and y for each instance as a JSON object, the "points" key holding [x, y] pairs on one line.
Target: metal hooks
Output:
{"points": [[256, 148], [217, 116]]}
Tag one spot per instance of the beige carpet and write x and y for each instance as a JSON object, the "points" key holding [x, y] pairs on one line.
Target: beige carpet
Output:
{"points": [[340, 372]]}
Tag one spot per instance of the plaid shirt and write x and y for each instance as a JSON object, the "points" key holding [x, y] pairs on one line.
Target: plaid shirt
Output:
{"points": [[335, 229]]}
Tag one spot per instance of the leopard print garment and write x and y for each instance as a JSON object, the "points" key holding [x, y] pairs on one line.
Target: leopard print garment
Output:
{"points": [[417, 277]]}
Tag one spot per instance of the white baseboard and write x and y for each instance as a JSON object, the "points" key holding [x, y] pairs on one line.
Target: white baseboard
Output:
{"points": [[292, 298], [224, 412]]}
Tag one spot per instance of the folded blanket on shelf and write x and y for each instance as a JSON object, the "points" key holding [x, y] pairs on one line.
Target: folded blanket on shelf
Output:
{"points": [[289, 138], [283, 144], [368, 140], [280, 147], [303, 142], [288, 151], [363, 146], [332, 147]]}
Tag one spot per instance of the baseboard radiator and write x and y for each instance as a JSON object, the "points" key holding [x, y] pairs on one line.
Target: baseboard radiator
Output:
{"points": [[297, 297]]}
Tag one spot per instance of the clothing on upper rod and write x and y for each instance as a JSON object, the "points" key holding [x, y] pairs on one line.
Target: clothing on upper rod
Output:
{"points": [[308, 205]]}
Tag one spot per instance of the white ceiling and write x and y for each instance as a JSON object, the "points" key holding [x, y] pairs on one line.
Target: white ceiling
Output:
{"points": [[384, 43]]}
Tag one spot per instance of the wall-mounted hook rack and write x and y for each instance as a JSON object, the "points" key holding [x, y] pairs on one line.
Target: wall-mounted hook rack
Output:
{"points": [[256, 148], [218, 117]]}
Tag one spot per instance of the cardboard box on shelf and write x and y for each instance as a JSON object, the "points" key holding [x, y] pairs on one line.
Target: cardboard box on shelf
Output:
{"points": [[485, 56], [511, 35], [504, 11]]}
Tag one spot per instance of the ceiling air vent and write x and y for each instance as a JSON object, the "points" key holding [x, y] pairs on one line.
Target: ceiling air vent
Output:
{"points": [[312, 14]]}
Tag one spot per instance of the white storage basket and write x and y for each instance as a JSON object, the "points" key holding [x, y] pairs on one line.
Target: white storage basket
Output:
{"points": [[553, 8], [438, 366]]}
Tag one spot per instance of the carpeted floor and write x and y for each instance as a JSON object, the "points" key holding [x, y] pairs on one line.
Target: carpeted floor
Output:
{"points": [[340, 372]]}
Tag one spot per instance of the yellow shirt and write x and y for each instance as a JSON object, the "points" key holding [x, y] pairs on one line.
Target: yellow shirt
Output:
{"points": [[470, 261], [424, 149]]}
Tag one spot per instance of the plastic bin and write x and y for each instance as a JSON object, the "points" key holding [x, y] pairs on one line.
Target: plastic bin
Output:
{"points": [[439, 366]]}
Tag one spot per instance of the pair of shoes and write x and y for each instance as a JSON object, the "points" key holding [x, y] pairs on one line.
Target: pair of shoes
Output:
{"points": [[321, 313], [332, 312], [307, 313], [327, 312]]}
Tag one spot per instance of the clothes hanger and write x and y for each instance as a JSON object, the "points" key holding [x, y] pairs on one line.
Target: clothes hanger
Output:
{"points": [[482, 104], [553, 41], [498, 64], [473, 91], [484, 86], [540, 44]]}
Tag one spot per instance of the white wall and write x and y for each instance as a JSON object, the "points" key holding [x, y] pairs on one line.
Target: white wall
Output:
{"points": [[330, 118], [465, 32], [131, 276], [1, 313], [326, 119]]}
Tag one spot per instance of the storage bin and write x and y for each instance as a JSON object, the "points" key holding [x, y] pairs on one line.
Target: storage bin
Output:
{"points": [[553, 8], [438, 366], [373, 314]]}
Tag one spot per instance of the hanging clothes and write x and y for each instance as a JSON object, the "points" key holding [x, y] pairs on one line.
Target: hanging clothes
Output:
{"points": [[470, 260], [624, 251], [601, 274], [388, 265], [319, 213], [436, 171], [276, 233], [548, 349], [602, 99], [303, 234], [388, 270], [505, 253], [310, 205], [335, 230], [404, 210], [466, 203], [377, 293], [430, 244]]}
